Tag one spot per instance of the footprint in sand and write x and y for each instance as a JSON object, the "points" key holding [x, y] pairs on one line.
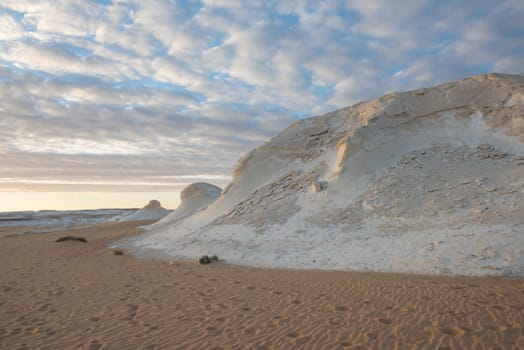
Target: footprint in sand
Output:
{"points": [[341, 308], [94, 345], [498, 328], [334, 322], [384, 320], [249, 331], [371, 336], [15, 330], [457, 287], [302, 340], [43, 307], [466, 329], [132, 313], [450, 331]]}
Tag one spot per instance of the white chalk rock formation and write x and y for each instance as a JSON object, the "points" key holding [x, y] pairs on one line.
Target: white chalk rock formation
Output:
{"points": [[153, 204], [152, 211], [428, 181], [193, 199]]}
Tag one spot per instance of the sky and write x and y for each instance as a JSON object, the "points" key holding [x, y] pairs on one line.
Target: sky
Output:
{"points": [[113, 103]]}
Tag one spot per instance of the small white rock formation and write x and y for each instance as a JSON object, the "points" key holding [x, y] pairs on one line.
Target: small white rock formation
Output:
{"points": [[194, 198], [153, 204], [152, 211], [428, 181]]}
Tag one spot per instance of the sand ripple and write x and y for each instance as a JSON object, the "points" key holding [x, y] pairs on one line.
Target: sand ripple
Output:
{"points": [[80, 296]]}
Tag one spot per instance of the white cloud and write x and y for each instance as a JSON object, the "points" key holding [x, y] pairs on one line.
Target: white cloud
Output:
{"points": [[68, 17], [172, 71], [61, 17], [510, 65], [11, 29], [57, 59], [179, 80]]}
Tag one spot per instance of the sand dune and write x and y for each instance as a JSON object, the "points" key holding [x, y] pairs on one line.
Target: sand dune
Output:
{"points": [[74, 295]]}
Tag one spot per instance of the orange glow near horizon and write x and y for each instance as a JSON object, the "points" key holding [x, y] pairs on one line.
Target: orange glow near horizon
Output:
{"points": [[22, 201]]}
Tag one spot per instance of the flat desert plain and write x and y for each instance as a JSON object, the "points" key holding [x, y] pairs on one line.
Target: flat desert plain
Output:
{"points": [[74, 295]]}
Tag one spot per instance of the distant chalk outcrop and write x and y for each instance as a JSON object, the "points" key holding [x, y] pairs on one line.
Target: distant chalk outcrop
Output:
{"points": [[152, 211]]}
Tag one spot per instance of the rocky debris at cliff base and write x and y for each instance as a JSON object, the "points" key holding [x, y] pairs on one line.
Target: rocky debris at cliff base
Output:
{"points": [[205, 259]]}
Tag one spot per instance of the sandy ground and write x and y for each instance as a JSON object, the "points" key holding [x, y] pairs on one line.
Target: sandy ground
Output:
{"points": [[74, 295]]}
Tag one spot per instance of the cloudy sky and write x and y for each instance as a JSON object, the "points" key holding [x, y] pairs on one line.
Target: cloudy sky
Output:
{"points": [[112, 103]]}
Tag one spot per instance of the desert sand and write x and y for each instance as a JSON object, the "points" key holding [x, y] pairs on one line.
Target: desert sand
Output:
{"points": [[74, 295]]}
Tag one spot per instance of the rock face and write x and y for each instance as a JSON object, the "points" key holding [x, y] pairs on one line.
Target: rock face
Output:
{"points": [[152, 211], [429, 181]]}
